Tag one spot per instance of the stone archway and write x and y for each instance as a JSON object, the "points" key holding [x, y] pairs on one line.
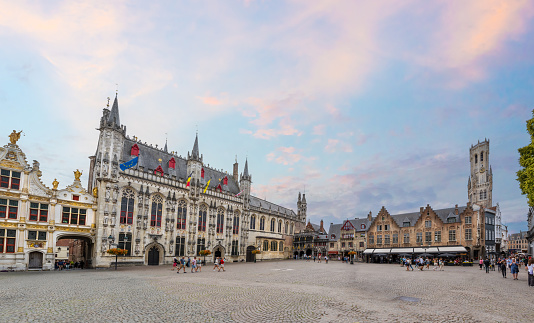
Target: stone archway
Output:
{"points": [[81, 247], [154, 254], [218, 251]]}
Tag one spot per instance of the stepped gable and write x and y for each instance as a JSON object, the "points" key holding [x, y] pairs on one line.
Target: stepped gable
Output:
{"points": [[268, 206], [149, 159], [443, 214], [411, 217]]}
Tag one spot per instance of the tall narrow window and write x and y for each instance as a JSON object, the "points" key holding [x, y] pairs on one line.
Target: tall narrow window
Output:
{"points": [[7, 240], [220, 220], [10, 179], [428, 237], [291, 230], [235, 227], [253, 222], [272, 225], [182, 215], [265, 245], [281, 246], [262, 223], [125, 242], [406, 238], [179, 251], [274, 245], [203, 210], [437, 236], [476, 158], [234, 248], [127, 206], [201, 244], [481, 156], [280, 226], [157, 211], [419, 237], [225, 180], [286, 227], [452, 235]]}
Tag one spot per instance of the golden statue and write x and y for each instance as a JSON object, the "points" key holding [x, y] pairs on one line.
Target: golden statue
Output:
{"points": [[95, 192], [14, 136], [55, 183], [77, 175]]}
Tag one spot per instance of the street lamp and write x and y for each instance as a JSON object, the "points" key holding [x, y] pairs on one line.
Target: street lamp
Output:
{"points": [[111, 241]]}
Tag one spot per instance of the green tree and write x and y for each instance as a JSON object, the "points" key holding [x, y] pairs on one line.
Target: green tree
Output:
{"points": [[525, 176]]}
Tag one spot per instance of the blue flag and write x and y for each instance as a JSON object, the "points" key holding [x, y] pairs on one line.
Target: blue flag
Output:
{"points": [[129, 164]]}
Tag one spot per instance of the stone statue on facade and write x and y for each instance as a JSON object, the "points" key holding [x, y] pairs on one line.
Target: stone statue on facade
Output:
{"points": [[14, 137], [77, 175], [55, 184]]}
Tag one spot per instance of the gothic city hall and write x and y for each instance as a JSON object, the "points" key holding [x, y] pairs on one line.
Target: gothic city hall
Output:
{"points": [[150, 201]]}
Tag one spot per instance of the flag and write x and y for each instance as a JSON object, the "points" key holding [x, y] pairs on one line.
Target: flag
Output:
{"points": [[129, 164], [189, 180], [239, 193], [206, 188]]}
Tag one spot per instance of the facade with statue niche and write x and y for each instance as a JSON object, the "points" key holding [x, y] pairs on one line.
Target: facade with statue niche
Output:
{"points": [[33, 217], [152, 211]]}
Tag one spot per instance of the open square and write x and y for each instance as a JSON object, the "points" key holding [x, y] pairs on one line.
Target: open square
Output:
{"points": [[274, 291]]}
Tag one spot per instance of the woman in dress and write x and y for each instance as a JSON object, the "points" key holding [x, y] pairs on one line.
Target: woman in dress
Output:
{"points": [[514, 269]]}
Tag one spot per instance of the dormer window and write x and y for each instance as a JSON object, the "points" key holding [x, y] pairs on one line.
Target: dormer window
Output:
{"points": [[451, 220], [202, 172], [405, 224], [362, 226], [219, 188], [333, 236], [159, 171], [135, 150], [225, 180], [172, 163]]}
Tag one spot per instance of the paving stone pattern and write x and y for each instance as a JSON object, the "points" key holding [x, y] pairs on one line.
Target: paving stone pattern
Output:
{"points": [[284, 291]]}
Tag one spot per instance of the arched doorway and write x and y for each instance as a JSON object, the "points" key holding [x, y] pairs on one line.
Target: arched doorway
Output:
{"points": [[153, 256], [301, 254], [218, 251], [78, 248], [35, 260], [308, 252], [250, 255]]}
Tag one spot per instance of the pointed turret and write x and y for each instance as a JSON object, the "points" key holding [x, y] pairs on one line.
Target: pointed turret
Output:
{"points": [[113, 117], [304, 198], [195, 154], [165, 148], [245, 171]]}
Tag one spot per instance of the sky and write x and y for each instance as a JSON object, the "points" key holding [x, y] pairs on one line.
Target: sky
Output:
{"points": [[360, 104]]}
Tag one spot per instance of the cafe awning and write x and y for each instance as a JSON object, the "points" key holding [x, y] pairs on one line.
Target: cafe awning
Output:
{"points": [[452, 249], [382, 251], [401, 250], [332, 252], [426, 250], [368, 251]]}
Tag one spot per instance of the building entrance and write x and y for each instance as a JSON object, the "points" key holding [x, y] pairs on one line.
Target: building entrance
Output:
{"points": [[250, 255], [36, 260], [153, 256]]}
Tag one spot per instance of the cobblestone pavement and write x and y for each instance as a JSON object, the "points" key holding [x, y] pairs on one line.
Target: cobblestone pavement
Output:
{"points": [[284, 291]]}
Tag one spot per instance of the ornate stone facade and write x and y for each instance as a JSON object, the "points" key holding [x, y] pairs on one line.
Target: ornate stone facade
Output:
{"points": [[480, 183]]}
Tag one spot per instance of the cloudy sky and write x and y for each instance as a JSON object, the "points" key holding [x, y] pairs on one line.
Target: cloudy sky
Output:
{"points": [[362, 104]]}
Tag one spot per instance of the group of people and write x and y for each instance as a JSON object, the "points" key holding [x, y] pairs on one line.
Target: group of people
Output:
{"points": [[513, 264], [195, 264], [66, 265], [420, 263]]}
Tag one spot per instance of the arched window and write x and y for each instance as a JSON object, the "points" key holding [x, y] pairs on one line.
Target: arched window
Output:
{"points": [[476, 158], [280, 226], [281, 246], [172, 163], [235, 228], [481, 195], [272, 225], [127, 206], [253, 222], [182, 215], [157, 210], [135, 150], [265, 245], [286, 229], [291, 231], [274, 245], [220, 220], [202, 211], [262, 223], [180, 247]]}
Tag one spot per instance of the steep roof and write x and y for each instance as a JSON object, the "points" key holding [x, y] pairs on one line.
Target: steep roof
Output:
{"points": [[269, 206], [335, 229], [357, 223], [114, 114], [195, 153], [443, 214]]}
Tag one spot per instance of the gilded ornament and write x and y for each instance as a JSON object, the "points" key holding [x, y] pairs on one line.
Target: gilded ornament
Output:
{"points": [[55, 183], [14, 137], [77, 175], [95, 192], [11, 164], [50, 250], [20, 249]]}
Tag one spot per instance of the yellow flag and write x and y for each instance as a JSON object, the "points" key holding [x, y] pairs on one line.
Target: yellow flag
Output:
{"points": [[207, 184]]}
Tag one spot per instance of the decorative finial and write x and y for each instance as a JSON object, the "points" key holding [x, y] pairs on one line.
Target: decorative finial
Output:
{"points": [[117, 91], [77, 175], [55, 183], [159, 160], [14, 137], [108, 102]]}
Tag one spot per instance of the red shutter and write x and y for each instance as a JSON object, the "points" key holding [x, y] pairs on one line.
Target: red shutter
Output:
{"points": [[135, 150], [172, 163], [159, 170], [219, 188], [225, 180], [202, 172]]}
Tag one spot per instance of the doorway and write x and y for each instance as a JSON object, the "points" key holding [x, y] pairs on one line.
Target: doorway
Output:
{"points": [[250, 255], [36, 260], [153, 256]]}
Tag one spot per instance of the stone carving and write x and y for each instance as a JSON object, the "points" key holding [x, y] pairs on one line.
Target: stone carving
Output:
{"points": [[14, 137], [55, 184], [77, 175]]}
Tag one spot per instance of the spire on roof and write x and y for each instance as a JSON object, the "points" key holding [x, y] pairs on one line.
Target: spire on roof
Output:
{"points": [[113, 117], [245, 171], [303, 198], [195, 154], [165, 148]]}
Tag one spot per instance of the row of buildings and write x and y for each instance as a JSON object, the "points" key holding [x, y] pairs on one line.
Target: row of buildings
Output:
{"points": [[165, 206]]}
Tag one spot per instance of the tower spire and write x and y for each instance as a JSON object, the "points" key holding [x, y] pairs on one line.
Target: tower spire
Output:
{"points": [[113, 117], [195, 154], [245, 171]]}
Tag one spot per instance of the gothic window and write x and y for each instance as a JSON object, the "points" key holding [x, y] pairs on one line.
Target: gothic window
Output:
{"points": [[281, 246], [272, 225], [202, 172], [253, 222], [280, 226], [10, 179], [157, 210], [235, 227], [38, 212], [127, 206], [476, 158], [234, 247], [73, 215], [274, 245], [172, 163], [265, 245], [291, 230], [182, 215], [482, 156], [262, 223], [481, 195], [225, 180], [485, 194], [201, 244], [7, 240], [286, 228], [125, 242], [220, 220], [202, 217], [135, 150], [179, 251]]}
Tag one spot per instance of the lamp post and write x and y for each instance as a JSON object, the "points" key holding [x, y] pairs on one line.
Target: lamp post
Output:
{"points": [[111, 241]]}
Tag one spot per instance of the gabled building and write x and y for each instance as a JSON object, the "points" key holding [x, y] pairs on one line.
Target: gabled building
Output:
{"points": [[353, 236], [311, 241]]}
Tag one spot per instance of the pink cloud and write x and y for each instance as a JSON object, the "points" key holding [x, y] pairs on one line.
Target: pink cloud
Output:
{"points": [[319, 129], [286, 156], [336, 145], [210, 100]]}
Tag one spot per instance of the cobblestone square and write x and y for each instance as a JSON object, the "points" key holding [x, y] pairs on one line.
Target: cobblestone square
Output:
{"points": [[284, 291]]}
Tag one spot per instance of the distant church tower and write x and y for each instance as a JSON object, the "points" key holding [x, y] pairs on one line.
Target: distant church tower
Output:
{"points": [[480, 183]]}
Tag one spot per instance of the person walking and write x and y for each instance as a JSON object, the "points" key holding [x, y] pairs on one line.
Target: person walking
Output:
{"points": [[441, 262], [480, 263], [216, 264], [530, 268], [182, 265], [486, 265], [194, 265], [199, 265], [409, 264], [514, 269], [503, 268], [174, 263], [222, 265]]}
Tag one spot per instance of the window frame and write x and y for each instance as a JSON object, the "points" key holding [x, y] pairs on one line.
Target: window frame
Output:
{"points": [[128, 245], [202, 213], [8, 238], [8, 180], [67, 217], [41, 212], [9, 209], [181, 220]]}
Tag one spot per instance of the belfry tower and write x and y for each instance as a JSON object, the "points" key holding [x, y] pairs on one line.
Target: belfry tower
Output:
{"points": [[480, 183]]}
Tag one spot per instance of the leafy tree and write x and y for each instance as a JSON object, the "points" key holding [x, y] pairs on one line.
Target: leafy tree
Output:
{"points": [[525, 176]]}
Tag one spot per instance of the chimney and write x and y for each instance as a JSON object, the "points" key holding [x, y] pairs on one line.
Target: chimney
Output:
{"points": [[421, 209], [236, 174], [456, 209], [321, 229], [370, 216]]}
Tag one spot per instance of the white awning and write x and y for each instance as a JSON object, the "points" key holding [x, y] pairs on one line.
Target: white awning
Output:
{"points": [[382, 250], [452, 249], [402, 250], [367, 251], [427, 250]]}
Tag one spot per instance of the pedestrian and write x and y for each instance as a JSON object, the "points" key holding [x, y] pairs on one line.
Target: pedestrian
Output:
{"points": [[182, 265], [408, 264], [194, 265], [188, 262], [487, 264], [480, 263], [216, 264], [441, 263], [174, 263], [326, 259], [199, 265], [530, 268], [514, 269], [222, 265], [503, 268]]}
